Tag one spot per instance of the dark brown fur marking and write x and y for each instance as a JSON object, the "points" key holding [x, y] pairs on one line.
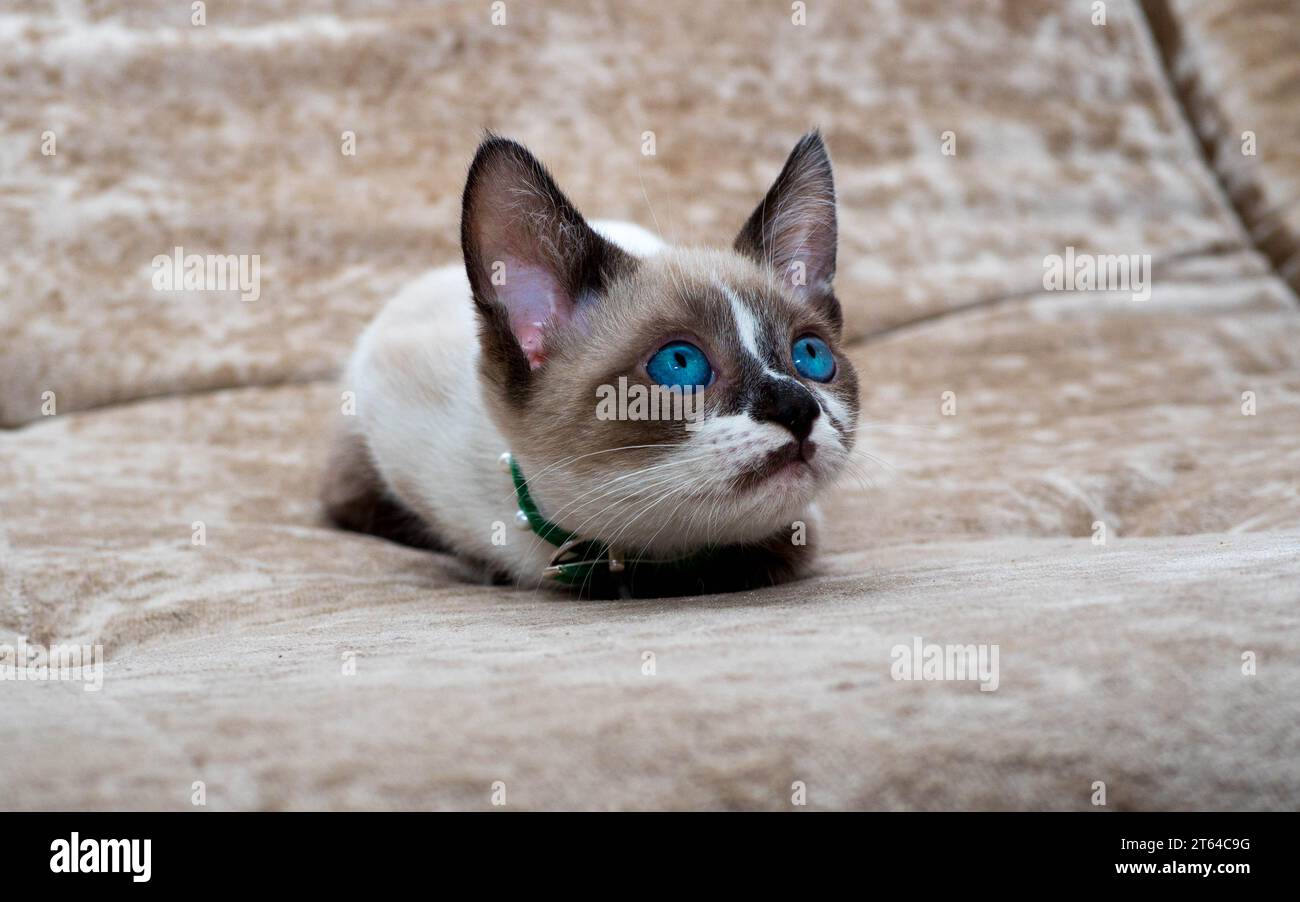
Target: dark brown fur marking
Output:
{"points": [[732, 568], [355, 498]]}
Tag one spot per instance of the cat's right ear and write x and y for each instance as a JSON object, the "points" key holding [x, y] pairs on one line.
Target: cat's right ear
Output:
{"points": [[793, 229], [534, 263]]}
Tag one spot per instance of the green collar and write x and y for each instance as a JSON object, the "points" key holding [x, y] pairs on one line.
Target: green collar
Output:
{"points": [[577, 560]]}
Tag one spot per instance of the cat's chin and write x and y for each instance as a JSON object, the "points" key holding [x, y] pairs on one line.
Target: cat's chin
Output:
{"points": [[777, 476], [754, 513], [740, 504]]}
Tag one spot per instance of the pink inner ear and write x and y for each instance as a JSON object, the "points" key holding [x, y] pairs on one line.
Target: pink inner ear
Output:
{"points": [[811, 245], [530, 339], [533, 299]]}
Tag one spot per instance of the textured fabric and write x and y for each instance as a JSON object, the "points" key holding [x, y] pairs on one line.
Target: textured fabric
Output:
{"points": [[226, 139], [1236, 67], [975, 520]]}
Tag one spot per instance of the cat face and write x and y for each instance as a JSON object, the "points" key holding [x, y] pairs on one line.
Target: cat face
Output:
{"points": [[748, 406]]}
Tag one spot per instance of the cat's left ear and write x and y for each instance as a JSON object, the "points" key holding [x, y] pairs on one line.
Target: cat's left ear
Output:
{"points": [[794, 229], [534, 264]]}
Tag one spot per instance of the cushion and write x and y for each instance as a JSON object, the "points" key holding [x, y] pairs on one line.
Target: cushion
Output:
{"points": [[1102, 488]]}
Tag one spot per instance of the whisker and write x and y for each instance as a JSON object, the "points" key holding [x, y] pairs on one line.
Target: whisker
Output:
{"points": [[529, 479], [610, 483]]}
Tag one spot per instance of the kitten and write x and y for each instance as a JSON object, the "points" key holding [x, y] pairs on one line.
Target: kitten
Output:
{"points": [[478, 426]]}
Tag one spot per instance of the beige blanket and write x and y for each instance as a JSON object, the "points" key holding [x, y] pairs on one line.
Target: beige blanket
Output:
{"points": [[1107, 490]]}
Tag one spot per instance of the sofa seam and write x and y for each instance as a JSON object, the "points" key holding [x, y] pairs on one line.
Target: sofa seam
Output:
{"points": [[1163, 62], [1158, 66]]}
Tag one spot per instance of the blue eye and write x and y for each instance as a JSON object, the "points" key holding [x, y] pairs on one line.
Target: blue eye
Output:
{"points": [[813, 359], [680, 363]]}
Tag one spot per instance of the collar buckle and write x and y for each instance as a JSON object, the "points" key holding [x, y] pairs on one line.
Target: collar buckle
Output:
{"points": [[580, 556]]}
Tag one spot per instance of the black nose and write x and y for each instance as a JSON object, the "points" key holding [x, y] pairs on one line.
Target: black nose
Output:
{"points": [[788, 403]]}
